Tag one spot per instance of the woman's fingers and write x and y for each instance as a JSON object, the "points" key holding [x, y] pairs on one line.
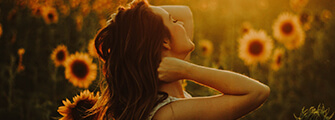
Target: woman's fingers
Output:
{"points": [[171, 69]]}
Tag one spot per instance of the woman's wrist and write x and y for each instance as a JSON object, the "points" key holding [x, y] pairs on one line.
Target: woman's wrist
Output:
{"points": [[189, 69]]}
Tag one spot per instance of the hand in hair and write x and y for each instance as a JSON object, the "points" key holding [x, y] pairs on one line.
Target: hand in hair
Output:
{"points": [[241, 93], [172, 69]]}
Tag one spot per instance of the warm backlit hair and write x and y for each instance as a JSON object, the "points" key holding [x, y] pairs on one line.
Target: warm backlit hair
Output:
{"points": [[131, 46]]}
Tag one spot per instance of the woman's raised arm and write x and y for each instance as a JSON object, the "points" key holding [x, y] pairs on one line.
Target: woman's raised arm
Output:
{"points": [[184, 14], [241, 93]]}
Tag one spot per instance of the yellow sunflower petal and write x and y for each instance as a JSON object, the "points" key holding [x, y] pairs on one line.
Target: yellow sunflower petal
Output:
{"points": [[68, 117], [66, 102], [63, 110], [91, 48]]}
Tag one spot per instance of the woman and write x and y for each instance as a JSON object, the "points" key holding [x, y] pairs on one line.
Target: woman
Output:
{"points": [[144, 48]]}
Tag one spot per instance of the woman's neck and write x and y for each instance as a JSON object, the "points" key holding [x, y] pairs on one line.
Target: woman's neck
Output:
{"points": [[174, 89]]}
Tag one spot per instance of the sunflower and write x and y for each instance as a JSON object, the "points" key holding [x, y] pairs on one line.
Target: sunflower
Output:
{"points": [[58, 2], [77, 109], [37, 10], [12, 14], [0, 30], [85, 9], [99, 6], [255, 47], [277, 59], [287, 30], [59, 55], [74, 3], [91, 48], [80, 70], [21, 3], [326, 15], [49, 14], [305, 20], [296, 42], [96, 6], [298, 5], [20, 52], [263, 4], [64, 9], [206, 47], [32, 3], [245, 27], [79, 22]]}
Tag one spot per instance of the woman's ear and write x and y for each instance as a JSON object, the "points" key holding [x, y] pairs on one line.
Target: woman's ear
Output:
{"points": [[166, 44]]}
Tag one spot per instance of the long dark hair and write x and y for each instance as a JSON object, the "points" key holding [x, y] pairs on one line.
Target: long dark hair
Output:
{"points": [[131, 46]]}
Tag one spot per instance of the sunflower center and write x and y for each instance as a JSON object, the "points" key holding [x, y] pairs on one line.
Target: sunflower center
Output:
{"points": [[50, 16], [245, 30], [287, 28], [304, 18], [256, 48], [278, 60], [204, 49], [38, 11], [79, 111], [60, 56], [79, 69]]}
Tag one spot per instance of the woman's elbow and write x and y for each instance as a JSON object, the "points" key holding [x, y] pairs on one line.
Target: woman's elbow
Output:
{"points": [[263, 93], [266, 91]]}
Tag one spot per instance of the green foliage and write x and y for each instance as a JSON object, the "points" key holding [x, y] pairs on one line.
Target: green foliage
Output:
{"points": [[321, 113]]}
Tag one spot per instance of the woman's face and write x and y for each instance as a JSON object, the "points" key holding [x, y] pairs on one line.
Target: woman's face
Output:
{"points": [[180, 43]]}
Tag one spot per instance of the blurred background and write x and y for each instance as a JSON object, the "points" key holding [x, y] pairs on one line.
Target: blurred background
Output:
{"points": [[286, 44]]}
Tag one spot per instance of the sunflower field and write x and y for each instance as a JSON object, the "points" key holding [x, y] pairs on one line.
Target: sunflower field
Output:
{"points": [[49, 68]]}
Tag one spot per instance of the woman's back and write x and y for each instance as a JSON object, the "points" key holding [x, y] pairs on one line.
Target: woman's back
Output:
{"points": [[168, 100]]}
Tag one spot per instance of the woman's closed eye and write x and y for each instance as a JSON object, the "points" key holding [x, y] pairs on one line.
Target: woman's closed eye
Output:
{"points": [[173, 20]]}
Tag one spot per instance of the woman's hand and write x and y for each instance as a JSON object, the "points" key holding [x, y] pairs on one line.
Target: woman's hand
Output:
{"points": [[172, 69]]}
